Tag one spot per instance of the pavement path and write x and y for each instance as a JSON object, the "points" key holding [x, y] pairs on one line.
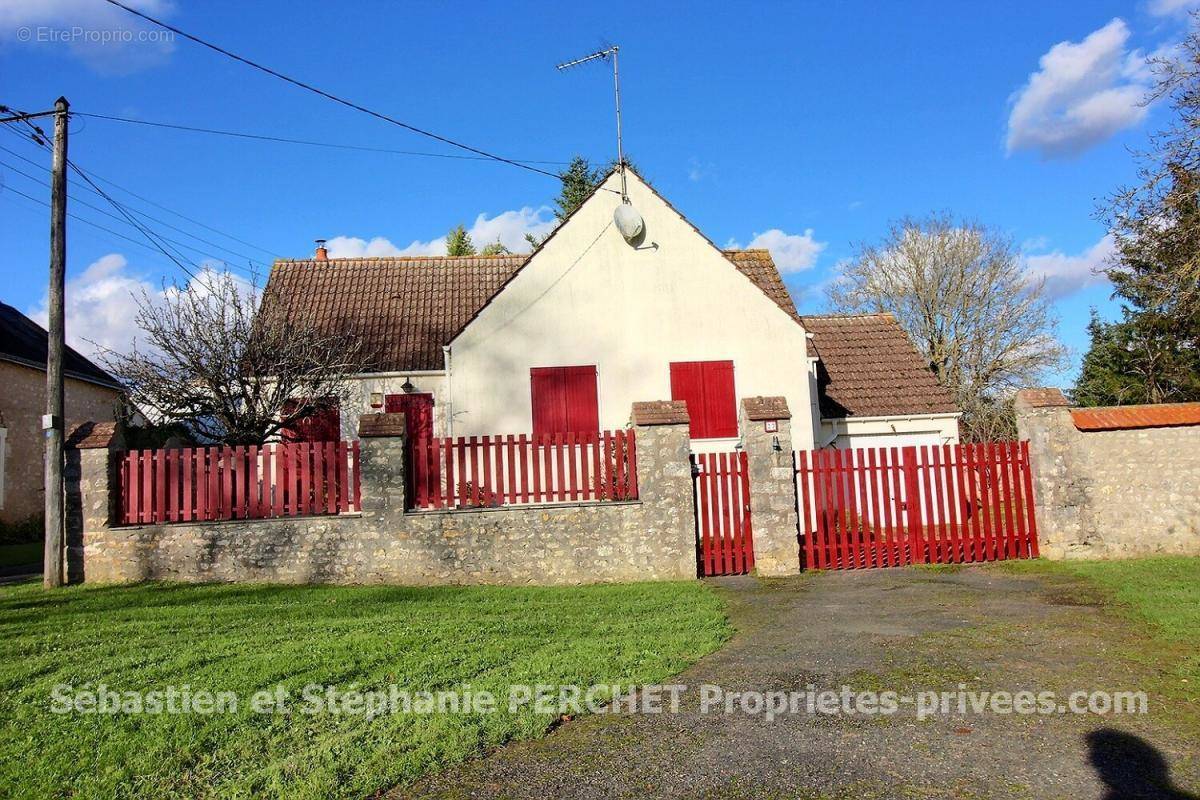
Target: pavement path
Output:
{"points": [[902, 629]]}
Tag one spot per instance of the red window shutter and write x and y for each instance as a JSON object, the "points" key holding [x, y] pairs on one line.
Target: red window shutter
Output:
{"points": [[720, 400], [687, 384], [323, 426], [582, 405], [417, 409], [564, 399], [707, 388]]}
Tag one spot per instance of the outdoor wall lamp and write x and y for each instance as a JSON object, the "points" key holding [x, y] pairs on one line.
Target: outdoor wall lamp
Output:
{"points": [[775, 444], [407, 387], [376, 399]]}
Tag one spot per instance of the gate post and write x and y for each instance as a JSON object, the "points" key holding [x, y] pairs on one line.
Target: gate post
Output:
{"points": [[766, 427]]}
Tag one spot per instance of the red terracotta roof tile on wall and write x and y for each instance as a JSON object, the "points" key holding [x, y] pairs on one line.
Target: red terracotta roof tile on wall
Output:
{"points": [[1114, 418]]}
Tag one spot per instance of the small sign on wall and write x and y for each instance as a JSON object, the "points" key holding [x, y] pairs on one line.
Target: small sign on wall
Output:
{"points": [[771, 426]]}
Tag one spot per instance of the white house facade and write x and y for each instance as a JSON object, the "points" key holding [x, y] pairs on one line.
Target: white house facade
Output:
{"points": [[568, 338]]}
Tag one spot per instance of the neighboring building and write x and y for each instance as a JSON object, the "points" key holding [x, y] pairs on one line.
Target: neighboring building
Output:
{"points": [[91, 394], [566, 339]]}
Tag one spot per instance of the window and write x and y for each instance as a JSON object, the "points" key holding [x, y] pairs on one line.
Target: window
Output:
{"points": [[564, 400], [324, 425], [707, 387]]}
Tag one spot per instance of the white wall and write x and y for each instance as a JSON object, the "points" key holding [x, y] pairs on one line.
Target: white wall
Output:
{"points": [[591, 298], [924, 429]]}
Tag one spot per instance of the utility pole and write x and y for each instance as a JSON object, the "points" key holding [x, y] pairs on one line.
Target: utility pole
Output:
{"points": [[52, 423]]}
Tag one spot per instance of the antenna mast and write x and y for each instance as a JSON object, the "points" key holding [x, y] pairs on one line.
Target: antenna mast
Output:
{"points": [[603, 55]]}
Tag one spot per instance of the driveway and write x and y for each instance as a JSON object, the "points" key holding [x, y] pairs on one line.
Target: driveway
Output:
{"points": [[907, 630]]}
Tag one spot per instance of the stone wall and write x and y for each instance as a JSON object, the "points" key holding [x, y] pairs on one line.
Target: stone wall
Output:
{"points": [[766, 425], [1110, 493], [652, 538]]}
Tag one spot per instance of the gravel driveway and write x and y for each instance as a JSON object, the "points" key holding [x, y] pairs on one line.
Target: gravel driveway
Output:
{"points": [[907, 630]]}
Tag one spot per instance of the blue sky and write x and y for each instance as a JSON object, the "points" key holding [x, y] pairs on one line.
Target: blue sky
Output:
{"points": [[805, 127]]}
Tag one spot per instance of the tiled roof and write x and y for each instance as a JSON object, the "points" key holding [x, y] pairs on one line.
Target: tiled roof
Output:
{"points": [[1114, 418], [407, 308], [758, 266], [23, 341], [766, 408], [660, 412], [404, 308], [869, 368]]}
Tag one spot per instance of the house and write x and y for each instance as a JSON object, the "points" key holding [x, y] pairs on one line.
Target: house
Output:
{"points": [[567, 338], [90, 394]]}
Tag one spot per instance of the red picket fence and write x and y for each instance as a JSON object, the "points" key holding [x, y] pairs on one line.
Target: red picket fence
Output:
{"points": [[196, 484], [722, 495], [892, 506], [489, 471]]}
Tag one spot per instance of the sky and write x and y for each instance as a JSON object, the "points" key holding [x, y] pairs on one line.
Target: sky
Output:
{"points": [[803, 127]]}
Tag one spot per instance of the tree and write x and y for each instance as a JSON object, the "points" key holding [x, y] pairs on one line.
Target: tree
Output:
{"points": [[960, 292], [458, 242], [579, 180], [227, 373], [1152, 353], [496, 248]]}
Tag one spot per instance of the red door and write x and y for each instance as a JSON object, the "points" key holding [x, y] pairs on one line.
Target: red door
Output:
{"points": [[418, 424], [417, 409]]}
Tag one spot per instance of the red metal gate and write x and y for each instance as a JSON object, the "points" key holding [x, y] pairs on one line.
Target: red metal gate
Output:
{"points": [[724, 541], [887, 507]]}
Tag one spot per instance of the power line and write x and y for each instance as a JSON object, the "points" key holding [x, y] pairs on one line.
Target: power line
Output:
{"points": [[144, 199], [82, 202], [328, 95], [308, 142], [151, 236]]}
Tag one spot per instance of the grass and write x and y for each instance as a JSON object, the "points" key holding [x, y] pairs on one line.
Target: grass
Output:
{"points": [[1161, 595], [244, 638], [12, 555]]}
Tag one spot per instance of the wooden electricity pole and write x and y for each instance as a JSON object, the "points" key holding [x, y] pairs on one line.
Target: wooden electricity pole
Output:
{"points": [[52, 423]]}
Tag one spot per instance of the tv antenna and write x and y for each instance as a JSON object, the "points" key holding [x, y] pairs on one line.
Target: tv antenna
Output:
{"points": [[605, 55]]}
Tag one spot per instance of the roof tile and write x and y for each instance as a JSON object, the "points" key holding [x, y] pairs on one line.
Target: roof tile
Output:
{"points": [[869, 368], [1114, 418], [660, 412]]}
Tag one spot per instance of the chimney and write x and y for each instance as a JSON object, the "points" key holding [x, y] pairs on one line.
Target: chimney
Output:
{"points": [[322, 253]]}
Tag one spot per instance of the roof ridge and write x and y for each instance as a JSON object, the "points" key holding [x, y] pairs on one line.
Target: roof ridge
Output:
{"points": [[496, 257], [863, 315]]}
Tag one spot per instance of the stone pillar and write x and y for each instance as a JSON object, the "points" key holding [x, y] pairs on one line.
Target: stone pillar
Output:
{"points": [[664, 469], [382, 443], [766, 426], [92, 488], [1061, 490]]}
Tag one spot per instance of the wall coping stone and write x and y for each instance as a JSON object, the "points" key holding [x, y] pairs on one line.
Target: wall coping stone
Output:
{"points": [[660, 412], [95, 436], [381, 424], [1041, 397], [759, 409]]}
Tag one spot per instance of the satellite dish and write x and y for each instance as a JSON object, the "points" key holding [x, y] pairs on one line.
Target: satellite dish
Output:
{"points": [[628, 221]]}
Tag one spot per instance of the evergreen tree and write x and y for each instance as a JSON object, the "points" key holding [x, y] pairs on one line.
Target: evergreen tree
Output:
{"points": [[578, 181], [1152, 355], [458, 242]]}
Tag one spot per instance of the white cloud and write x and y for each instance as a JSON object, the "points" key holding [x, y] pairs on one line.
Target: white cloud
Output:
{"points": [[1083, 93], [1165, 8], [792, 252], [1067, 274], [106, 38], [101, 305], [508, 228]]}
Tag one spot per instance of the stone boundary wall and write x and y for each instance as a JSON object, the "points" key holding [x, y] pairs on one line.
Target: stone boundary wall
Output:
{"points": [[652, 538], [1111, 493]]}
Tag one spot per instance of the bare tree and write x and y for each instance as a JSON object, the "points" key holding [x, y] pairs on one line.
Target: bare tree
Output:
{"points": [[960, 292], [228, 372]]}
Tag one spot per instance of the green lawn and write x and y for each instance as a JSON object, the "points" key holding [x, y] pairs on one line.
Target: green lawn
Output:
{"points": [[244, 638], [12, 555], [1162, 593]]}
